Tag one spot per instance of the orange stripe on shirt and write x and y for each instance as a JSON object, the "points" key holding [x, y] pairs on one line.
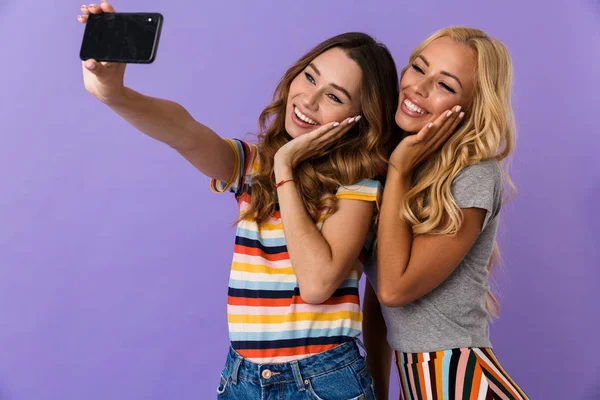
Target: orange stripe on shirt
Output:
{"points": [[285, 351], [250, 251]]}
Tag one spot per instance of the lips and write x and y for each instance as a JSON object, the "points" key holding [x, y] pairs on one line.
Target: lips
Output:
{"points": [[412, 106], [304, 117], [413, 109]]}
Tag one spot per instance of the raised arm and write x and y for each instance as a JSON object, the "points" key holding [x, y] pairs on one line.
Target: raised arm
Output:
{"points": [[162, 120]]}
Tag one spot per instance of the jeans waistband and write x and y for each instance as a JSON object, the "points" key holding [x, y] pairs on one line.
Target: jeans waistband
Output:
{"points": [[298, 370]]}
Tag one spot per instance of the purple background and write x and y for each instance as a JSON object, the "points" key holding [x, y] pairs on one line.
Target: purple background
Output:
{"points": [[114, 254]]}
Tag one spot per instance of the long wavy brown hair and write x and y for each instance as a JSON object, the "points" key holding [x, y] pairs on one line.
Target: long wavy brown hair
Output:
{"points": [[488, 132], [361, 153]]}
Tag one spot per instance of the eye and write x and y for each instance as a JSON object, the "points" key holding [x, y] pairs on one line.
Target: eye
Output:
{"points": [[335, 98], [417, 68], [309, 77], [448, 88]]}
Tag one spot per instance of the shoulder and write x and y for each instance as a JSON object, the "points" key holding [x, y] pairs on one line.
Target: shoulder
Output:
{"points": [[489, 169]]}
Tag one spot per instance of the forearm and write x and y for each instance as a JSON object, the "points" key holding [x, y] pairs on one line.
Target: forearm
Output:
{"points": [[379, 357], [394, 237], [173, 125], [308, 250]]}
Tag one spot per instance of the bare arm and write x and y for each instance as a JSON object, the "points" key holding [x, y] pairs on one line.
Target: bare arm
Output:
{"points": [[409, 268], [379, 357], [171, 124], [162, 120], [322, 260]]}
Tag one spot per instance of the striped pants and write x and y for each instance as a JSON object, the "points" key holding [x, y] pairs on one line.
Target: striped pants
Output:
{"points": [[456, 374]]}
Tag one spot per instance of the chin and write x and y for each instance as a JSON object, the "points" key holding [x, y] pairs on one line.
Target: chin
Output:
{"points": [[408, 126], [291, 130], [403, 124]]}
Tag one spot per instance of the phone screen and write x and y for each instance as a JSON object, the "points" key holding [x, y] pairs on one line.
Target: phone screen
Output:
{"points": [[121, 37]]}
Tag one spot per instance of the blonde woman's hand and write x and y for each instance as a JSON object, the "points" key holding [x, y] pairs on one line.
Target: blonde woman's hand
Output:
{"points": [[414, 149]]}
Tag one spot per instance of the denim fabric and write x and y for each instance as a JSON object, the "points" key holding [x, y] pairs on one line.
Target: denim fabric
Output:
{"points": [[337, 374]]}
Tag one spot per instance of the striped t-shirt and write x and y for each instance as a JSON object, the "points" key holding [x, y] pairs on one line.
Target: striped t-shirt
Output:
{"points": [[268, 321]]}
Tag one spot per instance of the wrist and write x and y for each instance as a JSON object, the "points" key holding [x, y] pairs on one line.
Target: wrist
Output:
{"points": [[283, 172], [282, 182], [397, 174], [119, 97]]}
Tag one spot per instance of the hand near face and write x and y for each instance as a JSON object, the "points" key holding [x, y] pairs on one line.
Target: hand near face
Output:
{"points": [[304, 146], [415, 149]]}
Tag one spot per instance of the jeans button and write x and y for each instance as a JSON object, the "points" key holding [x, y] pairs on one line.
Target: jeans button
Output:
{"points": [[266, 374]]}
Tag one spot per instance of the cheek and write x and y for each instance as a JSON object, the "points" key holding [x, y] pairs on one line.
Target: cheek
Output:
{"points": [[298, 86], [407, 79], [293, 91], [336, 115], [331, 114], [444, 103]]}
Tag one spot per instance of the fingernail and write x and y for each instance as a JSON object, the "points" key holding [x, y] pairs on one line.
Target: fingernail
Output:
{"points": [[462, 114], [83, 6], [449, 113], [458, 108], [336, 124], [91, 66], [429, 125], [92, 5], [357, 118], [351, 120]]}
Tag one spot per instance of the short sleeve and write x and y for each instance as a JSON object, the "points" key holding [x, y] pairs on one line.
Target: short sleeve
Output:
{"points": [[480, 186], [245, 155], [366, 190]]}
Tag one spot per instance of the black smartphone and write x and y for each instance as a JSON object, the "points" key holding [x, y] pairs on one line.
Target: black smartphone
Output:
{"points": [[121, 37]]}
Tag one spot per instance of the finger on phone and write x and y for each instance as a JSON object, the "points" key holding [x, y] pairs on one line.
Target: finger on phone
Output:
{"points": [[94, 67], [82, 18], [85, 10], [95, 9], [107, 7]]}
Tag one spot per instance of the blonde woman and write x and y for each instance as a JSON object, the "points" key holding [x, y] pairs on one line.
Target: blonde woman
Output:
{"points": [[438, 222]]}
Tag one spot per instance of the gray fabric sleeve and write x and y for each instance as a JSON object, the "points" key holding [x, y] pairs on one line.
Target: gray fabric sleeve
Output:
{"points": [[480, 186]]}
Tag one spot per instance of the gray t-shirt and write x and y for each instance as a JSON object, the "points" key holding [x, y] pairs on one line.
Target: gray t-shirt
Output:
{"points": [[453, 314]]}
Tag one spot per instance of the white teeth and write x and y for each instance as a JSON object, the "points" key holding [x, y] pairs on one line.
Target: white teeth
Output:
{"points": [[413, 107], [303, 117]]}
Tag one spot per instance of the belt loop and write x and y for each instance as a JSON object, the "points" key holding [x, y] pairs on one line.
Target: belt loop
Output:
{"points": [[236, 368], [360, 344], [297, 375]]}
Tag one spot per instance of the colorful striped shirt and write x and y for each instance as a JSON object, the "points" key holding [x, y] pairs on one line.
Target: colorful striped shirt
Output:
{"points": [[268, 321]]}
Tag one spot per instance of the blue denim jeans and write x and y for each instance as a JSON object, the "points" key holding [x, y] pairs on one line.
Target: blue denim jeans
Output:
{"points": [[337, 374]]}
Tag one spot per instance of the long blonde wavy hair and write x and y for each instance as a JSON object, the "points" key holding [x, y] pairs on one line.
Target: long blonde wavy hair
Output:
{"points": [[488, 132], [361, 153]]}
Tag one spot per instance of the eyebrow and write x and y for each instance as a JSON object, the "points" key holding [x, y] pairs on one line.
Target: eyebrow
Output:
{"points": [[443, 72], [338, 87]]}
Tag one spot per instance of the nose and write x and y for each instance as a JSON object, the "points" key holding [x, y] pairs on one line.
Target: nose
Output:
{"points": [[422, 87], [311, 100]]}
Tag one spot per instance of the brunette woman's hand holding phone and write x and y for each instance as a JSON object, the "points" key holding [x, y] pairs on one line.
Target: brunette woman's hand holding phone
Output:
{"points": [[112, 40], [104, 80]]}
